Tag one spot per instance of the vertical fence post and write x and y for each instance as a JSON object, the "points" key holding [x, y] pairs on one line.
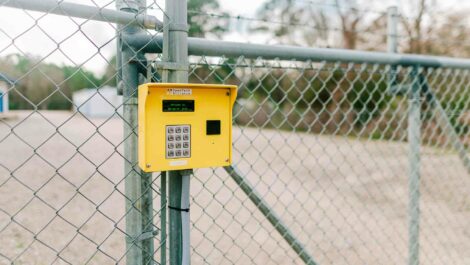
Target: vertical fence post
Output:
{"points": [[175, 51], [392, 29], [138, 191], [163, 212], [414, 140], [392, 41]]}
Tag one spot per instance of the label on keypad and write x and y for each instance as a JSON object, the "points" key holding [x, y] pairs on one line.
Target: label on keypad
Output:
{"points": [[178, 141]]}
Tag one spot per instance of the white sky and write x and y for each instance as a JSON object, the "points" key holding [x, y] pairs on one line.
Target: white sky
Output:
{"points": [[75, 42]]}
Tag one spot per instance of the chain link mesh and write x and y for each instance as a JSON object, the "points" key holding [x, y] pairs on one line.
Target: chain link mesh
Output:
{"points": [[325, 145]]}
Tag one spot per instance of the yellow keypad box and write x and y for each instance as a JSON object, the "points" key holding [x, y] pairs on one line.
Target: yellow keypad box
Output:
{"points": [[184, 126]]}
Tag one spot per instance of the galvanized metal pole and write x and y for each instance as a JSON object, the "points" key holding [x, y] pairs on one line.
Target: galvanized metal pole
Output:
{"points": [[138, 191], [204, 47], [392, 23], [148, 232], [163, 217], [133, 184], [444, 122], [119, 85], [414, 140], [63, 8], [392, 41], [178, 204], [175, 51], [272, 217]]}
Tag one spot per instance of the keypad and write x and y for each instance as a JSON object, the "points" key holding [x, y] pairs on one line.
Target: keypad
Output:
{"points": [[178, 144]]}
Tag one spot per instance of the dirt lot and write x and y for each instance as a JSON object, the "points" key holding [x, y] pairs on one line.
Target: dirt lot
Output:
{"points": [[61, 198]]}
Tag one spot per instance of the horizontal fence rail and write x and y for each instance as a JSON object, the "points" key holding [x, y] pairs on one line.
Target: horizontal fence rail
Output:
{"points": [[86, 12], [198, 46]]}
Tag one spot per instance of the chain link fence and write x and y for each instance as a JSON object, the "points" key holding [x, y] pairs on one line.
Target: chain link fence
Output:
{"points": [[339, 158], [338, 174]]}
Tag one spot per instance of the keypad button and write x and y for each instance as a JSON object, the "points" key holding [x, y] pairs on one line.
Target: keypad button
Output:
{"points": [[178, 141]]}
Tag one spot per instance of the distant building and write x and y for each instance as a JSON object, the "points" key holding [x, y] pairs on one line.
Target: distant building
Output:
{"points": [[97, 103], [5, 84]]}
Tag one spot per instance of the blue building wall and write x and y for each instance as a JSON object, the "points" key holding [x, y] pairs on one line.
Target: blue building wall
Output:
{"points": [[2, 100]]}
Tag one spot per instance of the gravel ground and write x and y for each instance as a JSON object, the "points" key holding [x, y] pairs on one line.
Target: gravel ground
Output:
{"points": [[345, 199]]}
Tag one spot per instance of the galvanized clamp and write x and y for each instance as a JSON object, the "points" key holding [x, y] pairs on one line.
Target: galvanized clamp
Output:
{"points": [[171, 66], [399, 89], [142, 237], [178, 27]]}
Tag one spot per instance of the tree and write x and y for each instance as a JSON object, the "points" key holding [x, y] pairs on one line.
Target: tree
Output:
{"points": [[202, 23], [44, 85], [293, 22], [413, 25], [451, 37], [428, 35], [109, 77], [306, 24], [78, 78]]}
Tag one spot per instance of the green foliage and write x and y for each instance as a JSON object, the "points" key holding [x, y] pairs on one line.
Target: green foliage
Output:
{"points": [[294, 22], [369, 97], [44, 85], [201, 24], [110, 75], [78, 78]]}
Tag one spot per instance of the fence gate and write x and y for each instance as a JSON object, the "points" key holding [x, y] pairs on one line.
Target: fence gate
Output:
{"points": [[340, 156]]}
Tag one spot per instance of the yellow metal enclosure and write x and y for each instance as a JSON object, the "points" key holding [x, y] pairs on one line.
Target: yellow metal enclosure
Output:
{"points": [[183, 126]]}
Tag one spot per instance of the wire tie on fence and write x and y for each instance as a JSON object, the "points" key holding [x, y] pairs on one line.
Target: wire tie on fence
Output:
{"points": [[178, 209], [147, 235], [142, 237]]}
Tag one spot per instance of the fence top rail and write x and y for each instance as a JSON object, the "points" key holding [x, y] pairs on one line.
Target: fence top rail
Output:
{"points": [[203, 47], [198, 46], [85, 12]]}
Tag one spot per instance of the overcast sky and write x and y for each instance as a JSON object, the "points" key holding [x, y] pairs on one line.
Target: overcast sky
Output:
{"points": [[75, 42]]}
